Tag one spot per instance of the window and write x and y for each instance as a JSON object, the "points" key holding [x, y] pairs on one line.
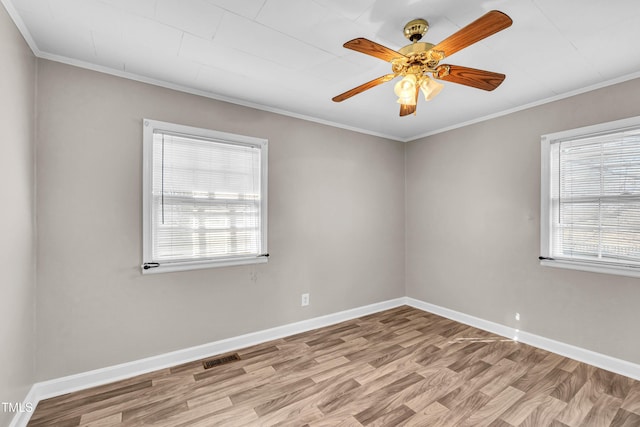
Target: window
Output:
{"points": [[204, 198], [591, 198]]}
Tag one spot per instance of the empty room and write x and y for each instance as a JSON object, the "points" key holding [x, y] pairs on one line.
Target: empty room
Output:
{"points": [[320, 213]]}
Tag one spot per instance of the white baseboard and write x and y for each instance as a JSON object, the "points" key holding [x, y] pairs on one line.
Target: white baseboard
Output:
{"points": [[56, 387], [59, 386], [603, 361]]}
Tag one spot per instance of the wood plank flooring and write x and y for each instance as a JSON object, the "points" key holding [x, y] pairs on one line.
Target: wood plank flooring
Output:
{"points": [[401, 367]]}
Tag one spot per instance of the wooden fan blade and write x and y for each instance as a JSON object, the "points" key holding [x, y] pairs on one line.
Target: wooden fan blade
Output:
{"points": [[480, 79], [372, 48], [405, 109], [488, 24], [368, 85]]}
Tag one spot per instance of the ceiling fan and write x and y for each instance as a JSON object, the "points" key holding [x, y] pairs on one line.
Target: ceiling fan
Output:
{"points": [[414, 61]]}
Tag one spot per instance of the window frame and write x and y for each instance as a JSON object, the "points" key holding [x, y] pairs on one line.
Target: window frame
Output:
{"points": [[546, 209], [149, 127]]}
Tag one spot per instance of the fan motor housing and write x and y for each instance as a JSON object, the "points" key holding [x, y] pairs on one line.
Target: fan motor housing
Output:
{"points": [[414, 48]]}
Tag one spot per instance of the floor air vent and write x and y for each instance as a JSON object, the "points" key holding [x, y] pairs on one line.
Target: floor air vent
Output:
{"points": [[211, 363]]}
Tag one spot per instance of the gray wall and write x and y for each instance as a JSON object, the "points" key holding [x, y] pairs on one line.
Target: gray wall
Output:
{"points": [[17, 244], [473, 229], [336, 226]]}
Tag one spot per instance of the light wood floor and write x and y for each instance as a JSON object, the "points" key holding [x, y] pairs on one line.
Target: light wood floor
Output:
{"points": [[401, 367]]}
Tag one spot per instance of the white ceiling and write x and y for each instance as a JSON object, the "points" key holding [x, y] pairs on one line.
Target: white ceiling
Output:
{"points": [[287, 55]]}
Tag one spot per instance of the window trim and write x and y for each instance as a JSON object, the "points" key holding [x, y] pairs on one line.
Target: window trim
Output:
{"points": [[149, 126], [545, 200]]}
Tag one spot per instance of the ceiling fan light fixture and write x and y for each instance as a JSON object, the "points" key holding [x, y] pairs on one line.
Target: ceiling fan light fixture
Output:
{"points": [[406, 88], [430, 88]]}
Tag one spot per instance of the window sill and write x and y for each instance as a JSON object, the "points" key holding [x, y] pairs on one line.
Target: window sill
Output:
{"points": [[593, 268], [198, 265]]}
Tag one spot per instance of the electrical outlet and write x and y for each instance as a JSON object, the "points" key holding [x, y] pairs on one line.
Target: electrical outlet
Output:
{"points": [[305, 300]]}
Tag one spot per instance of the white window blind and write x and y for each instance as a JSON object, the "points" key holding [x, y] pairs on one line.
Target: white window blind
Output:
{"points": [[594, 200], [206, 198]]}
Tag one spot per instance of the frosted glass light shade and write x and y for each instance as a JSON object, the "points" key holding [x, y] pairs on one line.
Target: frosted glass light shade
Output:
{"points": [[406, 87], [430, 88]]}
